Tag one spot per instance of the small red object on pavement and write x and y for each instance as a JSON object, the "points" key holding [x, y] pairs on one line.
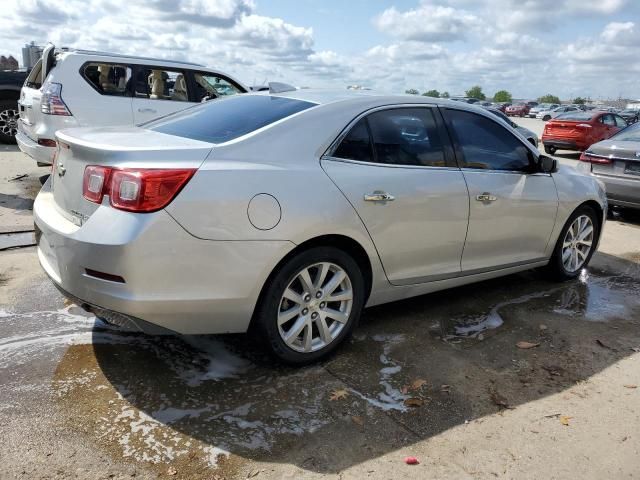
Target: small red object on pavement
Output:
{"points": [[411, 461]]}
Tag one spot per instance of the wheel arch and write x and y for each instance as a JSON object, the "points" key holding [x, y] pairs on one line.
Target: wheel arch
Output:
{"points": [[9, 94], [343, 242]]}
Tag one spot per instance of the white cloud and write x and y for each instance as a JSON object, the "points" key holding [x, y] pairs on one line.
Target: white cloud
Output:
{"points": [[427, 23]]}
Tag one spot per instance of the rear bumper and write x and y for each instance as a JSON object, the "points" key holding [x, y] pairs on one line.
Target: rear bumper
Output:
{"points": [[172, 280], [621, 192], [562, 144], [39, 153]]}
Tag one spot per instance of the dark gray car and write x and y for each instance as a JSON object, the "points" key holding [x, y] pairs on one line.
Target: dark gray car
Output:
{"points": [[616, 162]]}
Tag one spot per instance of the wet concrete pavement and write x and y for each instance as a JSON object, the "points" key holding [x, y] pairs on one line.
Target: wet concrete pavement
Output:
{"points": [[439, 377]]}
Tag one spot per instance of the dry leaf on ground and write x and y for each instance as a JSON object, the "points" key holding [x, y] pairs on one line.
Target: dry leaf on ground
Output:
{"points": [[630, 386], [498, 399], [602, 344], [418, 383], [414, 402], [255, 473], [358, 420], [338, 394], [445, 388], [526, 345], [564, 420]]}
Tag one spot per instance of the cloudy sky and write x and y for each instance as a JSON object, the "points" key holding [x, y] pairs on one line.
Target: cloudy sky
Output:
{"points": [[530, 47]]}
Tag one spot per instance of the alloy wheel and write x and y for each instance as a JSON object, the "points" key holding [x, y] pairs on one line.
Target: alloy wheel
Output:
{"points": [[9, 122], [315, 307], [577, 243]]}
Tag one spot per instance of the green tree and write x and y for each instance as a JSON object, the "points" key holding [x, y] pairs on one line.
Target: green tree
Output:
{"points": [[412, 91], [548, 98], [476, 92], [432, 93], [502, 96], [579, 101], [444, 95]]}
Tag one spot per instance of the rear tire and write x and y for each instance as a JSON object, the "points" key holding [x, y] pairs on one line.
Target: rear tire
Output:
{"points": [[551, 150], [9, 115], [318, 324], [576, 244]]}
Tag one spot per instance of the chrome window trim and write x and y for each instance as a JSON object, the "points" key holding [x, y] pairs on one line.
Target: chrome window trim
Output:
{"points": [[388, 165]]}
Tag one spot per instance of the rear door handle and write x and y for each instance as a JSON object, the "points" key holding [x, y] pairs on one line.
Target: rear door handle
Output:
{"points": [[486, 197], [379, 197], [147, 110]]}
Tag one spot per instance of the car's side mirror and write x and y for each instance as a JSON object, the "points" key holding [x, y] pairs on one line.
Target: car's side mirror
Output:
{"points": [[547, 164]]}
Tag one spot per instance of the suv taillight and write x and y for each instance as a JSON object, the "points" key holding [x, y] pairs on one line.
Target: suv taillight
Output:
{"points": [[51, 102], [134, 190]]}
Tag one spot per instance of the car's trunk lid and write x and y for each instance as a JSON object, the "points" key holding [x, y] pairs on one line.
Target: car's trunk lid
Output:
{"points": [[567, 128], [131, 147], [624, 156]]}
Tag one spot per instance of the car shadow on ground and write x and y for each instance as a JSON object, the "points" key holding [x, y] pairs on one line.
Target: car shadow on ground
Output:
{"points": [[413, 369]]}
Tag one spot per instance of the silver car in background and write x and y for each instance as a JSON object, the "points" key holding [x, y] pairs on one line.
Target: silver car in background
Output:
{"points": [[287, 213], [616, 163]]}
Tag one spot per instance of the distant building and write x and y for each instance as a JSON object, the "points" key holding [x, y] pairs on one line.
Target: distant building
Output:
{"points": [[31, 53], [8, 63]]}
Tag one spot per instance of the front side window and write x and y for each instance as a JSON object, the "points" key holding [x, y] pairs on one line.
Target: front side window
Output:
{"points": [[209, 86], [487, 145], [161, 84], [108, 78]]}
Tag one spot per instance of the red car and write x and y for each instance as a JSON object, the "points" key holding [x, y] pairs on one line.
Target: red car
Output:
{"points": [[579, 130], [519, 109]]}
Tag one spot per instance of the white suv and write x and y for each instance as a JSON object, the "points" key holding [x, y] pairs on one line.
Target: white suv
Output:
{"points": [[83, 88]]}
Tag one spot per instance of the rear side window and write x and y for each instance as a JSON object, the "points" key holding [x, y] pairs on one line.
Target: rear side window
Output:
{"points": [[108, 78], [401, 136], [160, 84], [220, 121], [620, 122], [484, 144], [34, 78], [357, 144], [608, 120]]}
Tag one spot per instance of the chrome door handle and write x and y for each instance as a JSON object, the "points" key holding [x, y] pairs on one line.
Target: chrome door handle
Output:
{"points": [[486, 197], [146, 110], [379, 197]]}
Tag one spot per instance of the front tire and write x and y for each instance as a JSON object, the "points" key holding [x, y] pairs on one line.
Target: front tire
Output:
{"points": [[551, 150], [576, 244], [311, 305]]}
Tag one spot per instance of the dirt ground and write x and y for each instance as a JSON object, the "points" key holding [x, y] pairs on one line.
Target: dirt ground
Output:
{"points": [[439, 377]]}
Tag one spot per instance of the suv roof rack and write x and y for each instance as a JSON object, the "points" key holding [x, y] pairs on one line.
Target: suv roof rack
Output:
{"points": [[121, 55]]}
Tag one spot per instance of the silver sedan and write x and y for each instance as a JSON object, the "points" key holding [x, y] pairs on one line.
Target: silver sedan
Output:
{"points": [[288, 213]]}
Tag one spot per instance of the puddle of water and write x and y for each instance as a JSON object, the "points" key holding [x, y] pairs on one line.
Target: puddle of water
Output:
{"points": [[591, 297]]}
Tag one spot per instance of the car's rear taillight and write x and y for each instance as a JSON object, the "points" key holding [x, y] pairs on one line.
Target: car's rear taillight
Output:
{"points": [[51, 102], [588, 157], [94, 181], [134, 190]]}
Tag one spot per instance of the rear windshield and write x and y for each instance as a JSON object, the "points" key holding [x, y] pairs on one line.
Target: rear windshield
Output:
{"points": [[629, 134], [223, 120], [577, 116]]}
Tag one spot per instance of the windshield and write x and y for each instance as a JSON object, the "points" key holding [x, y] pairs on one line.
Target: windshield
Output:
{"points": [[223, 120], [577, 116], [629, 134]]}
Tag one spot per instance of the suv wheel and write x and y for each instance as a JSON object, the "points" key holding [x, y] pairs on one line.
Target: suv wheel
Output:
{"points": [[311, 305], [576, 244], [551, 150], [8, 121]]}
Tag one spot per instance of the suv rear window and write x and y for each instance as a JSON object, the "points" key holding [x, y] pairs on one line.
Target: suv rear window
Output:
{"points": [[223, 120]]}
